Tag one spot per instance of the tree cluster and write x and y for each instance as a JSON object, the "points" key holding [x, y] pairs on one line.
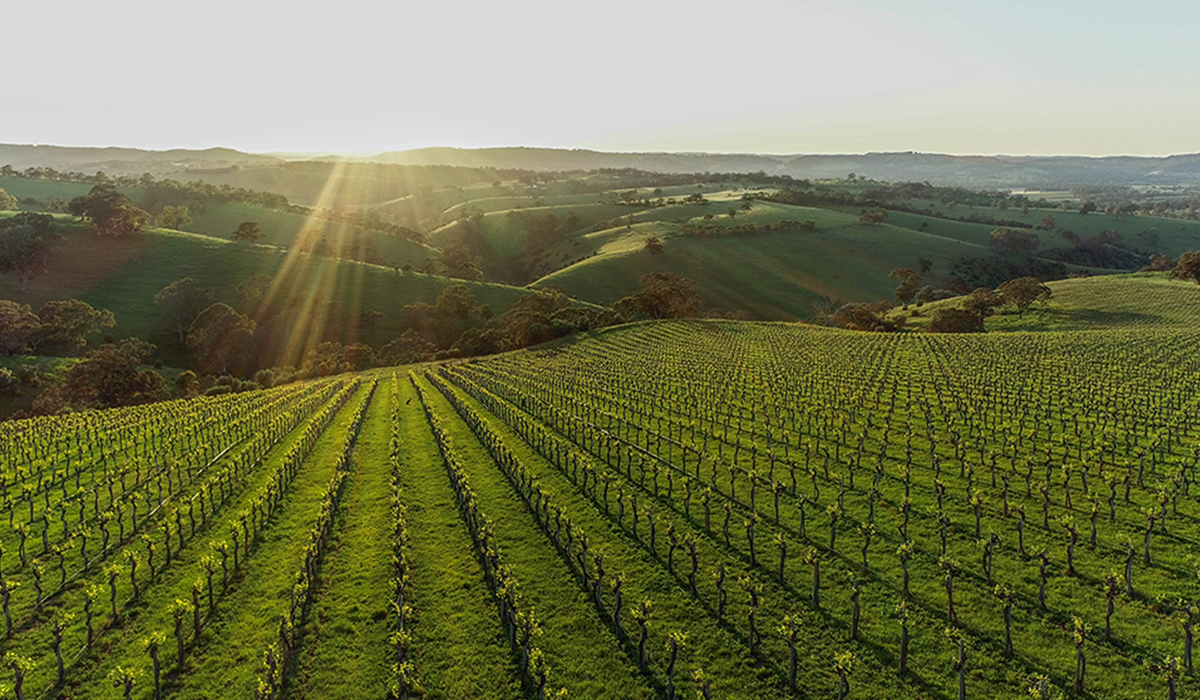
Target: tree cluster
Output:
{"points": [[26, 241], [109, 211], [58, 327]]}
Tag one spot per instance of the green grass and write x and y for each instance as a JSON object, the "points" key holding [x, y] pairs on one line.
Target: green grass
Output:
{"points": [[661, 376], [123, 275], [119, 639], [460, 649], [583, 656], [1106, 385], [283, 229], [280, 228], [247, 620], [347, 631], [41, 190], [1174, 236], [774, 275], [1138, 300]]}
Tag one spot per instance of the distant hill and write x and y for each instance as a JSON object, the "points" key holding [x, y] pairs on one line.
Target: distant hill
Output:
{"points": [[979, 171], [126, 161], [968, 171]]}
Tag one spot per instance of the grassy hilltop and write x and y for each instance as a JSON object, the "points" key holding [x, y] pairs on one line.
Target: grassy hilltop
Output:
{"points": [[1145, 300]]}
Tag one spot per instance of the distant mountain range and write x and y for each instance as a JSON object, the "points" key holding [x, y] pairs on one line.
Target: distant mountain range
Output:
{"points": [[975, 171]]}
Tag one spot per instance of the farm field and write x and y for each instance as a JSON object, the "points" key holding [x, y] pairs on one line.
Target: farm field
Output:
{"points": [[672, 509]]}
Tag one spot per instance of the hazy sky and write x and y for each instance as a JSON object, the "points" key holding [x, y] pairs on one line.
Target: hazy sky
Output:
{"points": [[800, 76]]}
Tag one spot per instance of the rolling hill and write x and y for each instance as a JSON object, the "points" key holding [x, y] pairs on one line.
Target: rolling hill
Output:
{"points": [[964, 170], [123, 275], [219, 220], [1145, 300]]}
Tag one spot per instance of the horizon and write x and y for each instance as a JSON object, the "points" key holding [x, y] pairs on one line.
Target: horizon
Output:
{"points": [[369, 152]]}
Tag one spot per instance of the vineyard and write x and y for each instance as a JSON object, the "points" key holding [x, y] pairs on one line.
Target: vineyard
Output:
{"points": [[664, 510]]}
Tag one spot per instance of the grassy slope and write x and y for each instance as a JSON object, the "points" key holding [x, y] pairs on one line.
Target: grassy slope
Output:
{"points": [[347, 631], [1174, 235], [583, 655], [123, 275], [247, 621], [716, 649], [1040, 642], [459, 646], [774, 276], [25, 188], [123, 644], [280, 228], [1145, 299]]}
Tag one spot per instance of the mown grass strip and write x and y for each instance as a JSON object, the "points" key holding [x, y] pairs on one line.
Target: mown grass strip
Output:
{"points": [[459, 648]]}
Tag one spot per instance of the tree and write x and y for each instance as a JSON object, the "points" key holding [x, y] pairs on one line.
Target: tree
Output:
{"points": [[110, 212], [982, 302], [409, 347], [173, 217], [1160, 263], [955, 321], [25, 245], [1188, 267], [7, 201], [18, 327], [1047, 223], [907, 290], [218, 337], [873, 217], [108, 377], [187, 384], [864, 317], [654, 245], [457, 300], [181, 302], [1015, 240], [254, 287], [1023, 292], [68, 323], [247, 232], [663, 295]]}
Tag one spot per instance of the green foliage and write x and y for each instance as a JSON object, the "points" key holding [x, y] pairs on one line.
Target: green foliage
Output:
{"points": [[181, 302], [247, 232], [108, 376], [26, 242], [7, 201], [66, 324], [173, 217], [220, 337], [110, 212], [1188, 267]]}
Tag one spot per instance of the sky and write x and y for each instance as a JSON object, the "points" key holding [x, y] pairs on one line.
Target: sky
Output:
{"points": [[1089, 77]]}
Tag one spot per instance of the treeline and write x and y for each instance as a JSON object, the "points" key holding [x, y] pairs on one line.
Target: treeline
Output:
{"points": [[228, 350], [746, 230], [195, 194], [886, 195], [198, 195]]}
